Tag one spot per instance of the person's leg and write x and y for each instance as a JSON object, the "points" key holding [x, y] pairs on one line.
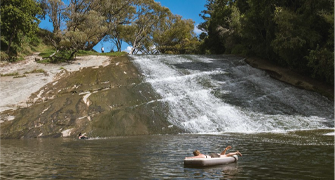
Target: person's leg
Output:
{"points": [[234, 153], [224, 151]]}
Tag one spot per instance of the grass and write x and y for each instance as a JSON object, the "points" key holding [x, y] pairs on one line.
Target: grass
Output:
{"points": [[35, 71], [42, 44], [17, 75], [20, 76], [113, 54], [11, 74], [47, 53]]}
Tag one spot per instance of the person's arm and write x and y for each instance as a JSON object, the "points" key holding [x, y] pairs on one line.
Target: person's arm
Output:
{"points": [[224, 151]]}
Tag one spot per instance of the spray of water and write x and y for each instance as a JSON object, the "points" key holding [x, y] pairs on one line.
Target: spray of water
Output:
{"points": [[224, 94]]}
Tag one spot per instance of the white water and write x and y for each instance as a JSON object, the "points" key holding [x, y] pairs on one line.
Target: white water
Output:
{"points": [[223, 94]]}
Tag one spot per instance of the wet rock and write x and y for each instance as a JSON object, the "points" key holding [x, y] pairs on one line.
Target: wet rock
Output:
{"points": [[101, 101]]}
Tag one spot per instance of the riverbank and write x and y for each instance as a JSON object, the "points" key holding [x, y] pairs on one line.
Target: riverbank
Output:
{"points": [[291, 77], [19, 80]]}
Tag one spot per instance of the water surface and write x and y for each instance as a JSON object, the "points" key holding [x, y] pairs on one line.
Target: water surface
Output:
{"points": [[292, 155]]}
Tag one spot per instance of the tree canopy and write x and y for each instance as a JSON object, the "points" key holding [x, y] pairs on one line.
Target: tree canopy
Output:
{"points": [[18, 21], [296, 34], [81, 24], [132, 21]]}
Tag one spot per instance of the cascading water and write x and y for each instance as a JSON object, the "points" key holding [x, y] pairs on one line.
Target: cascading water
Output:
{"points": [[215, 94]]}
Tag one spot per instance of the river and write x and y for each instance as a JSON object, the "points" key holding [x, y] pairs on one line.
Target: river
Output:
{"points": [[292, 155], [283, 132]]}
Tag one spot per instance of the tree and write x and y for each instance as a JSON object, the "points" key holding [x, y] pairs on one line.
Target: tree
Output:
{"points": [[115, 37], [215, 25], [295, 34], [89, 21], [175, 35], [54, 9], [118, 14], [18, 20], [321, 59], [138, 34]]}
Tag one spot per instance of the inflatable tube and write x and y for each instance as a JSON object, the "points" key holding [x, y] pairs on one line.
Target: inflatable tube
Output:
{"points": [[203, 162]]}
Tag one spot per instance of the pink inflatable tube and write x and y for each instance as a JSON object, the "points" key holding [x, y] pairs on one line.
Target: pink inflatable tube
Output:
{"points": [[202, 162]]}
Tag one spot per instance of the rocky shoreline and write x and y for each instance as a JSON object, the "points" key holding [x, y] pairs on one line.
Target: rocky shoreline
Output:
{"points": [[291, 77]]}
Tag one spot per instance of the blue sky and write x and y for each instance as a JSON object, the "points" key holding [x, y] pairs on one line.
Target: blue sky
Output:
{"points": [[188, 9]]}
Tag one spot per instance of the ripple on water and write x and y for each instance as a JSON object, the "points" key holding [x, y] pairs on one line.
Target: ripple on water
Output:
{"points": [[265, 156]]}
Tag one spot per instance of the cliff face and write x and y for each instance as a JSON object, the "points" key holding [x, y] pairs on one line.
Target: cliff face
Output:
{"points": [[105, 101]]}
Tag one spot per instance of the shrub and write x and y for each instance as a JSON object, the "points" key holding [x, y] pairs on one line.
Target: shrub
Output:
{"points": [[321, 61], [4, 56]]}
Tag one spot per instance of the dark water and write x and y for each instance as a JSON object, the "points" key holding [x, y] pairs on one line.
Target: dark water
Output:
{"points": [[291, 155]]}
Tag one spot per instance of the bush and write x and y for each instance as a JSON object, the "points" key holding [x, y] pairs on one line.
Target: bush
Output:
{"points": [[321, 61], [4, 56], [238, 49]]}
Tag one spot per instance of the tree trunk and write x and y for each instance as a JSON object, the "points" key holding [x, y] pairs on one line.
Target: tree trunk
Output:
{"points": [[10, 41], [132, 50], [72, 54], [91, 45], [118, 44]]}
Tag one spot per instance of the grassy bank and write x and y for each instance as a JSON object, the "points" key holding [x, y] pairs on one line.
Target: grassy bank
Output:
{"points": [[41, 43], [48, 55]]}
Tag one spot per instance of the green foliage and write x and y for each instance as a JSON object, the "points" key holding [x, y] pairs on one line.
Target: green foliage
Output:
{"points": [[3, 55], [136, 22], [239, 49], [18, 21], [321, 61], [149, 17], [176, 36], [296, 34], [47, 53], [86, 53], [50, 55]]}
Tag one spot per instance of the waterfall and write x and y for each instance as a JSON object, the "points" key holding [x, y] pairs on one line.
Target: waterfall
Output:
{"points": [[215, 94]]}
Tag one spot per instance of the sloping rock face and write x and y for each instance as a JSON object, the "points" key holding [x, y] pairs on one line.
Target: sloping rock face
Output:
{"points": [[107, 101], [289, 76]]}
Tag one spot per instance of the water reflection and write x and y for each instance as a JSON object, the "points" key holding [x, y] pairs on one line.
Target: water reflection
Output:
{"points": [[227, 171]]}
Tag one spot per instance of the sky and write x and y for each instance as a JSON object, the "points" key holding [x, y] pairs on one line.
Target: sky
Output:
{"points": [[188, 9]]}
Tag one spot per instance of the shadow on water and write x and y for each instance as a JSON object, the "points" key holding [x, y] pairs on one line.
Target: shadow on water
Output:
{"points": [[227, 171]]}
